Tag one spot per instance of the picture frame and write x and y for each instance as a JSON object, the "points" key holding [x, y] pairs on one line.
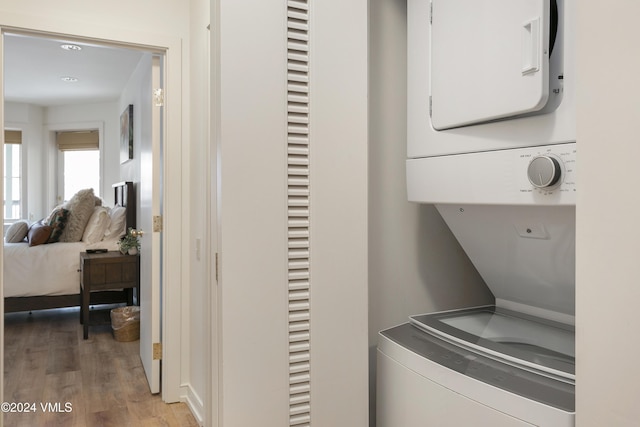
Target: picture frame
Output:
{"points": [[126, 134]]}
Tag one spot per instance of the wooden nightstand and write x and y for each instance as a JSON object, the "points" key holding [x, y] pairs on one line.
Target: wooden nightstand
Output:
{"points": [[107, 271]]}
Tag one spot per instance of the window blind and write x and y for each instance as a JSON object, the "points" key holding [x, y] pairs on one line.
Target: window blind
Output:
{"points": [[13, 137], [77, 140]]}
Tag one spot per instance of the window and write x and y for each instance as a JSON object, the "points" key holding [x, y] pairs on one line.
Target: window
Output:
{"points": [[81, 170], [12, 175], [79, 162]]}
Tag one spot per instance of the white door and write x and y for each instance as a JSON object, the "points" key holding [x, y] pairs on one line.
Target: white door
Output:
{"points": [[151, 251], [489, 60]]}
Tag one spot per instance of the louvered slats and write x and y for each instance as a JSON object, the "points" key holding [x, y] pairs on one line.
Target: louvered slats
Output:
{"points": [[298, 212]]}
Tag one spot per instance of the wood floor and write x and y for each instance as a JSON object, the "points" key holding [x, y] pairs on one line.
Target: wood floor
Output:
{"points": [[75, 382]]}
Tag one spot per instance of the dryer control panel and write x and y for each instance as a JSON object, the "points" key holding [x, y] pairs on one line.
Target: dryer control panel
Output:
{"points": [[550, 170], [543, 175]]}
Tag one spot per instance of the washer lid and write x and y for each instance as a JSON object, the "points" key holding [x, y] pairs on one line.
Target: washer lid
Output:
{"points": [[412, 348], [528, 342], [489, 60]]}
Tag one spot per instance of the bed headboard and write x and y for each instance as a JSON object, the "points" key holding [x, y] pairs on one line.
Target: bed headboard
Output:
{"points": [[125, 195]]}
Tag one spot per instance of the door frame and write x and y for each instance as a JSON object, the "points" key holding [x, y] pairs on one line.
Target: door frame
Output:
{"points": [[173, 163], [214, 380]]}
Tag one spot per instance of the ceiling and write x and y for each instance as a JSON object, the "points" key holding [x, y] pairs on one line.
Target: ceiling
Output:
{"points": [[34, 68]]}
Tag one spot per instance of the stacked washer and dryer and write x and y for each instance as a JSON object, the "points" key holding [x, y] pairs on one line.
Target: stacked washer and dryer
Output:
{"points": [[491, 142]]}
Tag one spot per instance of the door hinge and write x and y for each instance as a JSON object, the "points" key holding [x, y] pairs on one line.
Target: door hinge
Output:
{"points": [[157, 351], [430, 12], [217, 267], [158, 97], [157, 223]]}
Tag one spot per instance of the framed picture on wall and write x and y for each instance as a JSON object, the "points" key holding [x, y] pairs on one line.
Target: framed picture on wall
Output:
{"points": [[126, 134]]}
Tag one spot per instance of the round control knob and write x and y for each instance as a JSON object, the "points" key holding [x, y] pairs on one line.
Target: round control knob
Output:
{"points": [[544, 171]]}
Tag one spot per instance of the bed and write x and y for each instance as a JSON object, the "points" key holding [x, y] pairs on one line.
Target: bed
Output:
{"points": [[46, 276]]}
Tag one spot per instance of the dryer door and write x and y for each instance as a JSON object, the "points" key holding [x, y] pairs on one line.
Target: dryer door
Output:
{"points": [[489, 60]]}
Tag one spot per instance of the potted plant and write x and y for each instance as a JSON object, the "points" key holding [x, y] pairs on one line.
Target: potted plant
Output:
{"points": [[129, 244]]}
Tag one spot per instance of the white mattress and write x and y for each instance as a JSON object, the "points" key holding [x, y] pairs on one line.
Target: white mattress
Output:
{"points": [[50, 269]]}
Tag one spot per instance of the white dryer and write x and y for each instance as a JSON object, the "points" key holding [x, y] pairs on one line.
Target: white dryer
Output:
{"points": [[489, 75], [491, 142]]}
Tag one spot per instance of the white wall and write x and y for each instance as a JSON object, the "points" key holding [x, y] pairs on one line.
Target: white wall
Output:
{"points": [[338, 186], [607, 291], [115, 17], [415, 263], [136, 93], [196, 303], [30, 118]]}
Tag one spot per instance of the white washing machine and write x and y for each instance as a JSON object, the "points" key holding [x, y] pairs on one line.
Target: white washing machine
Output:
{"points": [[424, 380], [509, 364], [491, 143]]}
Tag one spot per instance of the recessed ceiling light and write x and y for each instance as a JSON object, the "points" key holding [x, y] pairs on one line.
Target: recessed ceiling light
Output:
{"points": [[69, 79], [73, 47]]}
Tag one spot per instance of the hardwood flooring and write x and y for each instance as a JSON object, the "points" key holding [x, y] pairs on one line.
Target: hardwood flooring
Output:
{"points": [[71, 382]]}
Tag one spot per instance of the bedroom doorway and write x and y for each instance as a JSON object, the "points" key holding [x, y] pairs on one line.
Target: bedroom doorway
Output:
{"points": [[144, 167]]}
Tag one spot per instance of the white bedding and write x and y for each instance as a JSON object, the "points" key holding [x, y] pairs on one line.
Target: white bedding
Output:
{"points": [[50, 269]]}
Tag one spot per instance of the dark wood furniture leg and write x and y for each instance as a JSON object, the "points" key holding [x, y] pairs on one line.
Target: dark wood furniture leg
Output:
{"points": [[84, 309]]}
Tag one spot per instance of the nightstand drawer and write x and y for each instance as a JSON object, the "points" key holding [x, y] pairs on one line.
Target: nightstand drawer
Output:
{"points": [[112, 273]]}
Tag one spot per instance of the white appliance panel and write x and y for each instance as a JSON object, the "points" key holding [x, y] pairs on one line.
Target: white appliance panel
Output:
{"points": [[408, 399], [491, 178], [424, 140], [489, 60], [525, 254]]}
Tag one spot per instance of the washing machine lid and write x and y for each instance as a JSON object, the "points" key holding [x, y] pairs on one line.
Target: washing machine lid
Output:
{"points": [[525, 341], [414, 348], [489, 60]]}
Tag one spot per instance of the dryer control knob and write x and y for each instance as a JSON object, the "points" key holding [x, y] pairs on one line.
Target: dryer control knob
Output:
{"points": [[544, 171]]}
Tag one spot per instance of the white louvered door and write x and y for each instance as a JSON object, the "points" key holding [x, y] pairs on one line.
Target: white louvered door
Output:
{"points": [[292, 213], [298, 212]]}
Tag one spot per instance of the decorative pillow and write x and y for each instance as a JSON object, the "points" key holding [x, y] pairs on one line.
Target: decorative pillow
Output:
{"points": [[39, 234], [80, 208], [118, 226], [57, 220], [97, 225], [47, 219], [17, 232]]}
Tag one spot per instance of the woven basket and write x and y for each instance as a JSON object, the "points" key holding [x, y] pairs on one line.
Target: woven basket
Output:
{"points": [[125, 322]]}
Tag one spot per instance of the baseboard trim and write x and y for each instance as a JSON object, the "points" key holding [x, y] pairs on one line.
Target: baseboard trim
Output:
{"points": [[194, 402]]}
